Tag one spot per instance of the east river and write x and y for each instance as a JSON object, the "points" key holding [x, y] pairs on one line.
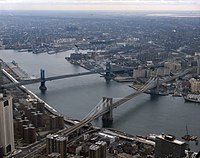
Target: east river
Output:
{"points": [[75, 97]]}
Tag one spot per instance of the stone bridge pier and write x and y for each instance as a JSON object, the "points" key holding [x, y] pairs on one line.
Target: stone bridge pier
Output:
{"points": [[108, 117]]}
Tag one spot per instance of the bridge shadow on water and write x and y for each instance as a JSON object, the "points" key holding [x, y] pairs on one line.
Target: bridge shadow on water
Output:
{"points": [[154, 97], [107, 124]]}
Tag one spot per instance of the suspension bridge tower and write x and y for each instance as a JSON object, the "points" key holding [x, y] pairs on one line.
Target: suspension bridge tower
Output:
{"points": [[108, 117], [43, 88], [108, 72], [156, 89]]}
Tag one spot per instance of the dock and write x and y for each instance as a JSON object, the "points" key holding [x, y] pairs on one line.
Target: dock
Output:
{"points": [[19, 72]]}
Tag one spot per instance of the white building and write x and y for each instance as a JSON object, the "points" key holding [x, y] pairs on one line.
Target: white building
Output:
{"points": [[6, 124]]}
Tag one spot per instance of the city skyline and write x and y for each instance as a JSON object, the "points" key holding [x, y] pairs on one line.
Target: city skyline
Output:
{"points": [[122, 5]]}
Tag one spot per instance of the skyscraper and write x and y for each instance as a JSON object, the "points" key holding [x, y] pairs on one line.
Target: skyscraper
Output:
{"points": [[6, 124], [1, 73], [198, 63]]}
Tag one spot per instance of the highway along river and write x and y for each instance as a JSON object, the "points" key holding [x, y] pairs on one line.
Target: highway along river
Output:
{"points": [[75, 97]]}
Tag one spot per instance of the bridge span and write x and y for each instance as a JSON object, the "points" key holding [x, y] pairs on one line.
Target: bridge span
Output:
{"points": [[105, 107], [37, 80], [106, 73]]}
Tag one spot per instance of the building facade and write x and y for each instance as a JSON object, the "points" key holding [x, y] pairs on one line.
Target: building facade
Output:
{"points": [[173, 66], [6, 124], [168, 146], [56, 144], [195, 85]]}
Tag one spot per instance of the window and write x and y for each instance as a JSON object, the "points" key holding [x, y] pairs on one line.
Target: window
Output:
{"points": [[8, 148], [6, 103]]}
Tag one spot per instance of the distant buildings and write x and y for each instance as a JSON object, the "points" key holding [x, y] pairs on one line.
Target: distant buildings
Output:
{"points": [[6, 124], [195, 85], [198, 63], [173, 66], [163, 71], [146, 73], [139, 73]]}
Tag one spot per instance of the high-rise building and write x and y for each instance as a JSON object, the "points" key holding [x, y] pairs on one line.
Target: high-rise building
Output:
{"points": [[56, 122], [6, 124], [56, 144], [29, 134], [198, 63], [103, 147], [168, 146], [1, 74], [94, 151], [61, 146]]}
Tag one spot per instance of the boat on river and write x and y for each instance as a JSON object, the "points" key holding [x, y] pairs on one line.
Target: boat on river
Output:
{"points": [[189, 137], [192, 98]]}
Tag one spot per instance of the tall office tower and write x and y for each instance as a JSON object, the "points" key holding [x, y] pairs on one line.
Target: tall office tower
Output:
{"points": [[1, 74], [61, 146], [6, 124], [198, 64]]}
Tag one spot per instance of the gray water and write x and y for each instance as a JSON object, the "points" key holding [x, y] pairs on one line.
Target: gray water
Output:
{"points": [[75, 97]]}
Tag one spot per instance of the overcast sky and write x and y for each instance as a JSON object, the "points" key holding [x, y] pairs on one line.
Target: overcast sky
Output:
{"points": [[100, 5]]}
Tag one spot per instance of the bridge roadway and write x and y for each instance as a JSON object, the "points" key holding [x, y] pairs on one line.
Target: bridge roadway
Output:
{"points": [[32, 81]]}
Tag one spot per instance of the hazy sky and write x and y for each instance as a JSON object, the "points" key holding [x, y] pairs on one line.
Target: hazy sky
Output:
{"points": [[100, 5]]}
